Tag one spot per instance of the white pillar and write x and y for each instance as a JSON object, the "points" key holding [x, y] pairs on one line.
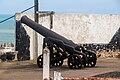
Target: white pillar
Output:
{"points": [[46, 63], [35, 45]]}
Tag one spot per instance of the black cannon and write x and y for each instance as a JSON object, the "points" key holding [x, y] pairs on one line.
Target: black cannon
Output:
{"points": [[61, 48]]}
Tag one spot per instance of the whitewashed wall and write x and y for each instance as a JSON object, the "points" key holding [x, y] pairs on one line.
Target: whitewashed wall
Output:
{"points": [[87, 28], [45, 21], [81, 28]]}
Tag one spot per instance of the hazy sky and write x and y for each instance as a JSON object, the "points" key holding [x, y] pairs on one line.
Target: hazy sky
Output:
{"points": [[70, 6]]}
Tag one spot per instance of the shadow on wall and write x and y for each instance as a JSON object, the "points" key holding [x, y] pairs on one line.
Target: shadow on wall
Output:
{"points": [[22, 42]]}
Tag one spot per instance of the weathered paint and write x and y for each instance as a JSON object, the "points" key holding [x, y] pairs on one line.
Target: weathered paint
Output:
{"points": [[90, 79], [80, 28], [87, 28], [46, 60]]}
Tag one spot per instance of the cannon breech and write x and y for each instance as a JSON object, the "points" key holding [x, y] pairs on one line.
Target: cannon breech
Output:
{"points": [[61, 48]]}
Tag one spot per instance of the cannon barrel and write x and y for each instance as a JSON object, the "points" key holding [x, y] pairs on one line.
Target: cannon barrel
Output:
{"points": [[46, 32], [77, 55]]}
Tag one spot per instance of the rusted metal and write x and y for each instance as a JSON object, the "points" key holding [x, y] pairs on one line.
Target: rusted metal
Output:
{"points": [[91, 79]]}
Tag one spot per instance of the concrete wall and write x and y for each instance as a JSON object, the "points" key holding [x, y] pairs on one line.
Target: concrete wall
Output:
{"points": [[81, 28], [87, 28], [45, 21]]}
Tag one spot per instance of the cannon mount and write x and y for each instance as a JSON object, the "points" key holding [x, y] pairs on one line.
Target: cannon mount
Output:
{"points": [[61, 48]]}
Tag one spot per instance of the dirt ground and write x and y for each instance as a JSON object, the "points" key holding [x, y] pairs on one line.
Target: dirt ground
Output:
{"points": [[28, 70]]}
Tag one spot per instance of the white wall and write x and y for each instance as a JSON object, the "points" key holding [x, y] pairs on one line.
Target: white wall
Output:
{"points": [[81, 28], [87, 28]]}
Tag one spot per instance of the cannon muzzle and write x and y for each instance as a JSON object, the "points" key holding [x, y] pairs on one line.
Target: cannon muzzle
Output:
{"points": [[44, 31]]}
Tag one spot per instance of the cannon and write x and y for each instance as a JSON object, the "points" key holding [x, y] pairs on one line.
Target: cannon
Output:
{"points": [[61, 48]]}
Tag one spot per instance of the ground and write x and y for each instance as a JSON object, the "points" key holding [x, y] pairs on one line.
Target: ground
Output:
{"points": [[28, 70]]}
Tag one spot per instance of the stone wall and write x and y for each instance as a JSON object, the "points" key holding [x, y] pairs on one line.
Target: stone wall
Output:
{"points": [[80, 28]]}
